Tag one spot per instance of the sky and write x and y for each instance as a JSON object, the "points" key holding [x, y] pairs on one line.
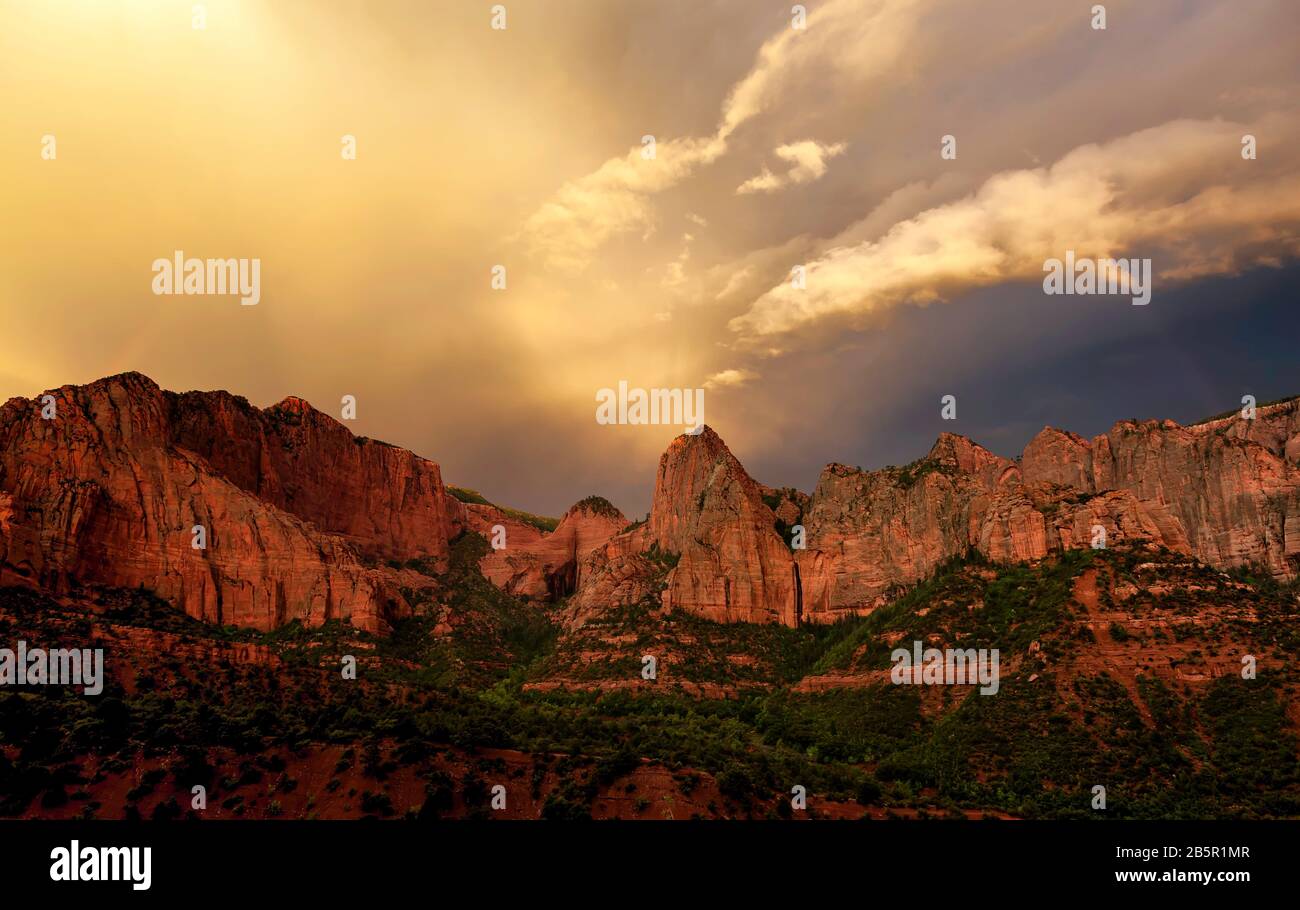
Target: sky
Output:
{"points": [[774, 147]]}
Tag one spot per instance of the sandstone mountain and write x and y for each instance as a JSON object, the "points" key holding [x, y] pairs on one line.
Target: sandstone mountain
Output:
{"points": [[709, 518], [1226, 491], [537, 564], [110, 490], [302, 520], [305, 521]]}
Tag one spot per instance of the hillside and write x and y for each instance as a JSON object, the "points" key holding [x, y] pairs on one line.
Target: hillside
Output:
{"points": [[1157, 713]]}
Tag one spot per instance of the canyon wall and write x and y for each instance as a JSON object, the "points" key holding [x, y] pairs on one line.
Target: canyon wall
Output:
{"points": [[1226, 491], [292, 506]]}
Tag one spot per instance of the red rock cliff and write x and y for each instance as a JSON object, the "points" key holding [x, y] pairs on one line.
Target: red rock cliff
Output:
{"points": [[108, 493], [389, 502], [1226, 491], [709, 515], [541, 565]]}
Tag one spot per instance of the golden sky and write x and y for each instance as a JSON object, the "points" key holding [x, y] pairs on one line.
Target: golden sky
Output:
{"points": [[522, 147]]}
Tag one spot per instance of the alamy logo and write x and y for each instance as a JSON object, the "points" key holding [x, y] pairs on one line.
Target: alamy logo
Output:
{"points": [[949, 667], [1125, 277], [75, 863], [684, 407], [179, 275], [57, 667]]}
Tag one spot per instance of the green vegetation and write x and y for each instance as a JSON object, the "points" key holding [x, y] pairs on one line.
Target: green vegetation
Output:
{"points": [[909, 474], [598, 505], [540, 522], [773, 501], [493, 635], [1163, 750], [466, 495]]}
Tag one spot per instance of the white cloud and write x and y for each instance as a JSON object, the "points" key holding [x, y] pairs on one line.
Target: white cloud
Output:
{"points": [[730, 379], [675, 274], [846, 41], [1181, 188], [807, 161], [766, 182]]}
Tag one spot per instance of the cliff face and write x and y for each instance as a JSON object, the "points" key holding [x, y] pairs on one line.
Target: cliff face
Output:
{"points": [[110, 490], [1226, 492], [299, 515], [388, 502], [732, 566], [708, 516], [872, 532], [1233, 486], [542, 565]]}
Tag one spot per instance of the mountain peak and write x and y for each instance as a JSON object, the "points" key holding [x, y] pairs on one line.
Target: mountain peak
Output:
{"points": [[294, 403], [595, 505], [961, 452], [705, 437]]}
